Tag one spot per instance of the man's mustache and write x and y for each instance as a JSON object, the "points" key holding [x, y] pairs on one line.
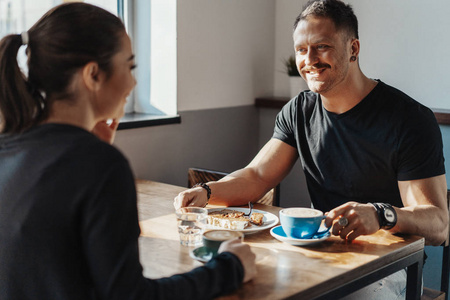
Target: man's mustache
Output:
{"points": [[315, 67]]}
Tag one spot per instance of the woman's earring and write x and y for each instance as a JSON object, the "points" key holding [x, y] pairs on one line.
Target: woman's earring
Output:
{"points": [[353, 58]]}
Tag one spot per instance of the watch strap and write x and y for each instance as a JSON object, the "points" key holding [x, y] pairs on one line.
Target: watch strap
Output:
{"points": [[206, 187], [381, 210], [379, 213]]}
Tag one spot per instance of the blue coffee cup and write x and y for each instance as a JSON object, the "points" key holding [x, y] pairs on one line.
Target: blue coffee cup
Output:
{"points": [[302, 222]]}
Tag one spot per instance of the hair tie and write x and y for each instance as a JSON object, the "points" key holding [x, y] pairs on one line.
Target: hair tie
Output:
{"points": [[25, 37]]}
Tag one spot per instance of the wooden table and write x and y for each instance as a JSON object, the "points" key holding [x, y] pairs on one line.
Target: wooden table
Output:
{"points": [[327, 270]]}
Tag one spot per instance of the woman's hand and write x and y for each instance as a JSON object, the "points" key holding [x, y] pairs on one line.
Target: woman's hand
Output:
{"points": [[245, 255], [106, 132]]}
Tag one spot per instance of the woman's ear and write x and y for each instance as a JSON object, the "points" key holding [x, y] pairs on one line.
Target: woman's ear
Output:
{"points": [[92, 76]]}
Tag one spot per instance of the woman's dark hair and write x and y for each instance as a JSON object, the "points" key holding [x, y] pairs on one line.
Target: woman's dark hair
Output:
{"points": [[65, 39], [340, 13]]}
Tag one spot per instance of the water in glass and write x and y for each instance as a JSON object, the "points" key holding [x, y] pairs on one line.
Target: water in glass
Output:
{"points": [[191, 225]]}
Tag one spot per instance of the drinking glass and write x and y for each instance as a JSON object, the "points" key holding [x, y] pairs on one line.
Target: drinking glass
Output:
{"points": [[191, 225]]}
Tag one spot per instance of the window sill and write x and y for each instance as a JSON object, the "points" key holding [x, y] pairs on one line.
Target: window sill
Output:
{"points": [[442, 115], [138, 120]]}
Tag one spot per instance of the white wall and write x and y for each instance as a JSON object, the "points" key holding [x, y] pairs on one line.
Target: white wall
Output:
{"points": [[225, 52], [286, 12], [404, 43]]}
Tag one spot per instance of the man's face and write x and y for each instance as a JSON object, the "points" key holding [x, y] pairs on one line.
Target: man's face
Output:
{"points": [[322, 54]]}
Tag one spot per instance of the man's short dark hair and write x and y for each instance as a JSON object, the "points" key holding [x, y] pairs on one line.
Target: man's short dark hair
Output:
{"points": [[340, 13]]}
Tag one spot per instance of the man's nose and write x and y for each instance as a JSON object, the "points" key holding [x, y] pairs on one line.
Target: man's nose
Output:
{"points": [[311, 57]]}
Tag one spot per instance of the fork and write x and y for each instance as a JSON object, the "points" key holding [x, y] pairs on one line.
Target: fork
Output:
{"points": [[250, 206]]}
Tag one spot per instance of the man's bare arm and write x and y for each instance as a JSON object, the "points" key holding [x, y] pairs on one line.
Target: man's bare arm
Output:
{"points": [[425, 210], [265, 171]]}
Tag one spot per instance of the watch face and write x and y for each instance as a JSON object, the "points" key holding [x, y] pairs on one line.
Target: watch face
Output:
{"points": [[389, 215]]}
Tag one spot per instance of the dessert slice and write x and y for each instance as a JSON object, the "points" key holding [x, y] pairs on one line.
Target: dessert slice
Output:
{"points": [[257, 218], [228, 219]]}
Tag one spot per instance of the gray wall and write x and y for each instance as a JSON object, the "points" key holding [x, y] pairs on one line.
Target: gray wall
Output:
{"points": [[293, 191], [221, 139]]}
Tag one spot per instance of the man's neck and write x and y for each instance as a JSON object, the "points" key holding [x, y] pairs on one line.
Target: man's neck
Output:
{"points": [[348, 95]]}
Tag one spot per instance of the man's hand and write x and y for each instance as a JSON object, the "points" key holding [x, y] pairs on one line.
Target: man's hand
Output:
{"points": [[193, 197], [362, 220]]}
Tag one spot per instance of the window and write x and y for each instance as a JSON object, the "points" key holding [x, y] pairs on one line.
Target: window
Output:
{"points": [[19, 15], [151, 25]]}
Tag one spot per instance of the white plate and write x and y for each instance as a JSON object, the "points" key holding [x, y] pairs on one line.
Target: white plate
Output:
{"points": [[269, 220], [279, 234]]}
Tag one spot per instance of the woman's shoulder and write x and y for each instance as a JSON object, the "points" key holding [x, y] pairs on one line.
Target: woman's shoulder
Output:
{"points": [[71, 144]]}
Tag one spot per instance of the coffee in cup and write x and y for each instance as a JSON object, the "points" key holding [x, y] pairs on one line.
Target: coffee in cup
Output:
{"points": [[212, 239], [301, 222]]}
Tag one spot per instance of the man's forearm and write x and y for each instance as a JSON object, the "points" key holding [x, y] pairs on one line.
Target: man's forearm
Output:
{"points": [[238, 188]]}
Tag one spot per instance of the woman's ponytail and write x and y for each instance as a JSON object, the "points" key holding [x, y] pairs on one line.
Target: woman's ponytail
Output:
{"points": [[18, 108], [64, 40]]}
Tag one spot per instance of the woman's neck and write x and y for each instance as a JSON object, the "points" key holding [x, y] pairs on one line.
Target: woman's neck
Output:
{"points": [[72, 113]]}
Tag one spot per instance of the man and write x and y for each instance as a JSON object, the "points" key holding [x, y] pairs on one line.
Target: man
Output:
{"points": [[370, 153]]}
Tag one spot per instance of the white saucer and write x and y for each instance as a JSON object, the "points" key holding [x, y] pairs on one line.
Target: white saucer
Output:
{"points": [[278, 233]]}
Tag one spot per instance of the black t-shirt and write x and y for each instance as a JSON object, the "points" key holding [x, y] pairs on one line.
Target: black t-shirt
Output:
{"points": [[69, 226], [360, 155]]}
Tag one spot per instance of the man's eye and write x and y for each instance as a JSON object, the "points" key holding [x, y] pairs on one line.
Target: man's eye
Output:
{"points": [[301, 50], [322, 47]]}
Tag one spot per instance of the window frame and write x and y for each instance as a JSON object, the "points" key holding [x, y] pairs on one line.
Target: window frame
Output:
{"points": [[127, 11]]}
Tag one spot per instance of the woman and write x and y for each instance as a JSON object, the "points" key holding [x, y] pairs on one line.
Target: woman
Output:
{"points": [[68, 217]]}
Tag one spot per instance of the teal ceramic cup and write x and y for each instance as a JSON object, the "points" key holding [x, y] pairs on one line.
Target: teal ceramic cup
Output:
{"points": [[301, 222], [212, 239]]}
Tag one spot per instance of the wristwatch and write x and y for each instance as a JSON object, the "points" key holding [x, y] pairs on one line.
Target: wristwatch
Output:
{"points": [[386, 215]]}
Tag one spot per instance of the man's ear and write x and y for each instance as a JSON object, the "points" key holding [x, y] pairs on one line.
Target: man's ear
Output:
{"points": [[355, 47], [92, 76]]}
